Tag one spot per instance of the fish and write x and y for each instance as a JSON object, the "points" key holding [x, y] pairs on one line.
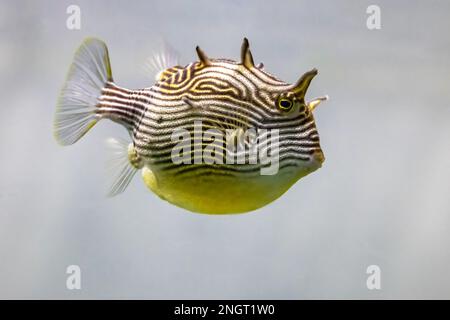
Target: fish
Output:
{"points": [[215, 136]]}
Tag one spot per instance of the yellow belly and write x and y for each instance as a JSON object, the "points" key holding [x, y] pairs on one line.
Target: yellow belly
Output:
{"points": [[218, 194]]}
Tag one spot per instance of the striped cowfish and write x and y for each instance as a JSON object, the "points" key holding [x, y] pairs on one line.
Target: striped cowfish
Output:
{"points": [[203, 134]]}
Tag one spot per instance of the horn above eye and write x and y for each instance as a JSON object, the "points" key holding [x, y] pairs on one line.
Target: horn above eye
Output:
{"points": [[246, 55], [300, 87]]}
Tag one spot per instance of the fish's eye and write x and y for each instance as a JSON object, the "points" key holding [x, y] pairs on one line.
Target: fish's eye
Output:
{"points": [[285, 104]]}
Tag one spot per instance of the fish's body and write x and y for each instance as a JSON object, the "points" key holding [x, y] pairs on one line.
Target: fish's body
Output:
{"points": [[215, 136]]}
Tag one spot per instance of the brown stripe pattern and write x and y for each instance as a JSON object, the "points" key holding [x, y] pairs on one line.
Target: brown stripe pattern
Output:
{"points": [[222, 94]]}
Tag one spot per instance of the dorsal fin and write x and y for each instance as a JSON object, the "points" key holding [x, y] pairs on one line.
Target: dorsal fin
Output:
{"points": [[164, 63]]}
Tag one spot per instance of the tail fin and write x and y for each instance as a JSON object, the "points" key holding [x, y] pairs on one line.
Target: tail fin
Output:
{"points": [[76, 107]]}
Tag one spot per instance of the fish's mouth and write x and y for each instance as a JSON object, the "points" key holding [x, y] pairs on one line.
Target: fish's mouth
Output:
{"points": [[315, 102]]}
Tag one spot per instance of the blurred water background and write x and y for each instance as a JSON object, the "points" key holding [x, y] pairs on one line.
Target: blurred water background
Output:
{"points": [[382, 196]]}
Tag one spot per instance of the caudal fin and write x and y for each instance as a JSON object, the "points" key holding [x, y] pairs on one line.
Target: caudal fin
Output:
{"points": [[76, 107]]}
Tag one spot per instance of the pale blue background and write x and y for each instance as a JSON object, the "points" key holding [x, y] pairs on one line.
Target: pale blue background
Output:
{"points": [[382, 196]]}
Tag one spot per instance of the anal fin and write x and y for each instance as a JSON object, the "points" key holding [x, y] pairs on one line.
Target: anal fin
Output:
{"points": [[122, 165]]}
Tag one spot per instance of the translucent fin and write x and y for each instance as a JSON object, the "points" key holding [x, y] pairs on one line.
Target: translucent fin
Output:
{"points": [[76, 106], [162, 61], [120, 170]]}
